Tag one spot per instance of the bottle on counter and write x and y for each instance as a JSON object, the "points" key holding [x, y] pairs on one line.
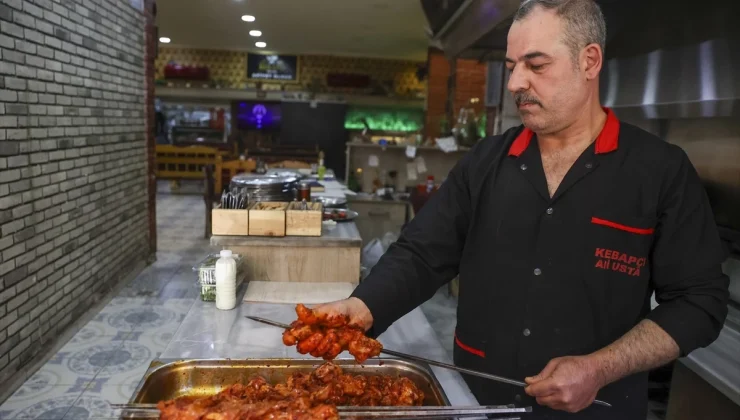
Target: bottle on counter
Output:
{"points": [[226, 281], [321, 171], [430, 184]]}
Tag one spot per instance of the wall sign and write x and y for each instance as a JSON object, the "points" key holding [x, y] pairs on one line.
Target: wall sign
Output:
{"points": [[278, 68]]}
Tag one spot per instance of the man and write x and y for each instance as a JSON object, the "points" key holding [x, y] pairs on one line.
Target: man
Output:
{"points": [[560, 232]]}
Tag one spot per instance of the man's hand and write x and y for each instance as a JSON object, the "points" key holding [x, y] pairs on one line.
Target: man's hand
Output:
{"points": [[566, 383], [330, 329], [356, 309]]}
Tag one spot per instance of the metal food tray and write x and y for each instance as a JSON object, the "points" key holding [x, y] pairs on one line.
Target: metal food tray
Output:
{"points": [[167, 379]]}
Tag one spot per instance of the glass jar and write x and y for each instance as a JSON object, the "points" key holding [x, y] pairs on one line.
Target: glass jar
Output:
{"points": [[304, 191]]}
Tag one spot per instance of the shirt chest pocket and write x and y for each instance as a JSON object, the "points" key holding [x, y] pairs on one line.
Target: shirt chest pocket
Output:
{"points": [[619, 245]]}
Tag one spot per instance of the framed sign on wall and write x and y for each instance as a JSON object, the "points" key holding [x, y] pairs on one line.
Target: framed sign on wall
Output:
{"points": [[272, 67]]}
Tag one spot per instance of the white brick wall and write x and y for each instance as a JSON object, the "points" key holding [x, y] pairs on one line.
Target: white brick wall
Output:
{"points": [[73, 206]]}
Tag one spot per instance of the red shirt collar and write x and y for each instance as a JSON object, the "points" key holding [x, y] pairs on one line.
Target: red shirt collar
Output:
{"points": [[607, 141]]}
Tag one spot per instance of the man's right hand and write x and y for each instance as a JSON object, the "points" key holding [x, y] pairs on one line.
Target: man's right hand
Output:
{"points": [[329, 329], [353, 307]]}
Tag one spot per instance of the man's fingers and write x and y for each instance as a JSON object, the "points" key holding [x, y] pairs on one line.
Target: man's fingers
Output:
{"points": [[542, 388], [545, 373], [323, 309], [552, 401]]}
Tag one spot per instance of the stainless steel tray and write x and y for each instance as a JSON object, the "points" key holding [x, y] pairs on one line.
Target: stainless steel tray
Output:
{"points": [[329, 202], [171, 378]]}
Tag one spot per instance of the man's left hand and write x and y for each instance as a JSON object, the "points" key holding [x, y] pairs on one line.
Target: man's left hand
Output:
{"points": [[566, 383]]}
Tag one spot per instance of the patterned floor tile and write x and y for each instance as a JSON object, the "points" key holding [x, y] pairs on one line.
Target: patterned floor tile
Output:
{"points": [[90, 361], [140, 350], [96, 403], [45, 403], [78, 361], [121, 315], [94, 332], [177, 289]]}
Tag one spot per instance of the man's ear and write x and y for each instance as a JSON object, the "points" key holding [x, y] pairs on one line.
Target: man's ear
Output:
{"points": [[592, 59]]}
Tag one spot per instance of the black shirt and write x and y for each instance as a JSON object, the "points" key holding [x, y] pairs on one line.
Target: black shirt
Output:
{"points": [[543, 277]]}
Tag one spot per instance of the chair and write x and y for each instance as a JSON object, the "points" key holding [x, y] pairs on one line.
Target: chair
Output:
{"points": [[226, 170], [209, 196]]}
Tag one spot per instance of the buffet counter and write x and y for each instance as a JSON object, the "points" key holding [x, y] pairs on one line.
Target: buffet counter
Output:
{"points": [[333, 256], [208, 333]]}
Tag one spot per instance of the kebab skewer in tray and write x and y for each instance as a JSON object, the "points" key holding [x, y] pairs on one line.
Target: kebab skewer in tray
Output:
{"points": [[327, 392], [315, 395]]}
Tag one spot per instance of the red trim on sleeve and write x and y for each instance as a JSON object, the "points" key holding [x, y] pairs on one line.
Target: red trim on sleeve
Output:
{"points": [[607, 141], [469, 349], [639, 231]]}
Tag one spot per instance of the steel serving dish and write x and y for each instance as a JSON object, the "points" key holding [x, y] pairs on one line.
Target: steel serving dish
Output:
{"points": [[330, 202], [171, 378], [265, 187]]}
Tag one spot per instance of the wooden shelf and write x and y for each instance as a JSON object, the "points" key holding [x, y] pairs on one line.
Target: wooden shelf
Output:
{"points": [[221, 95], [460, 149]]}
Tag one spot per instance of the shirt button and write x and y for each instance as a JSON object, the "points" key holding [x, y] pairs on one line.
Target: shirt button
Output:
{"points": [[526, 332], [523, 167], [549, 210], [518, 398], [537, 271], [589, 165]]}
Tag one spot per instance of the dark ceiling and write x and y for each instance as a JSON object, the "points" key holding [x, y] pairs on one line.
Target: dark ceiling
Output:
{"points": [[438, 12], [633, 26]]}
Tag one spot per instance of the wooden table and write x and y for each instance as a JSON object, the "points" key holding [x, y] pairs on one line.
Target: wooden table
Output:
{"points": [[333, 256]]}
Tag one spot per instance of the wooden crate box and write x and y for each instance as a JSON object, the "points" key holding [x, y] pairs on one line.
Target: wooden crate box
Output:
{"points": [[230, 222], [299, 222], [267, 218]]}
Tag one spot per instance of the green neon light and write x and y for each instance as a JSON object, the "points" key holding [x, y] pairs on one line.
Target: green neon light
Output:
{"points": [[384, 119]]}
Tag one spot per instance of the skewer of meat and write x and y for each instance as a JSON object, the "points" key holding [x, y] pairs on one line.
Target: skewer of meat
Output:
{"points": [[326, 336]]}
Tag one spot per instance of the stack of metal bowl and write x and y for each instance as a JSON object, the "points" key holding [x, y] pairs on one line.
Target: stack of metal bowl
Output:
{"points": [[276, 187]]}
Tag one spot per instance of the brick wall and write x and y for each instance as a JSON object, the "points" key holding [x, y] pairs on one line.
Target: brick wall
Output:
{"points": [[437, 78], [73, 209], [470, 82]]}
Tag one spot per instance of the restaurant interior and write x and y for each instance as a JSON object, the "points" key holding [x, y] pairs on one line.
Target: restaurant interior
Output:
{"points": [[139, 139]]}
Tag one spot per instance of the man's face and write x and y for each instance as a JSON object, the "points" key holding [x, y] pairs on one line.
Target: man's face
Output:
{"points": [[549, 88]]}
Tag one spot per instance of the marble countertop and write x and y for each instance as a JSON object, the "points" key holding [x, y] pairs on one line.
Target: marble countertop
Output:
{"points": [[342, 234], [208, 333]]}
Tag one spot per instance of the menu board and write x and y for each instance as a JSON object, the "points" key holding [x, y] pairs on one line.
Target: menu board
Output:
{"points": [[271, 67]]}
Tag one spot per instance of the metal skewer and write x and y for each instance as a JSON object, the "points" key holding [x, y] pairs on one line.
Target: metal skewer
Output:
{"points": [[375, 412], [430, 362]]}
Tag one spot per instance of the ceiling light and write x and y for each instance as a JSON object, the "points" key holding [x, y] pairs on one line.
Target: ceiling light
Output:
{"points": [[165, 40], [260, 44], [255, 33], [248, 18]]}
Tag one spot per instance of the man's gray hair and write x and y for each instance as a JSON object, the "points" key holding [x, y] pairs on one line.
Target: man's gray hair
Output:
{"points": [[584, 22]]}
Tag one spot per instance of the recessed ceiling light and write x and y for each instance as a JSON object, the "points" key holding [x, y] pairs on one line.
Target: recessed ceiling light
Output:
{"points": [[255, 33], [260, 44], [248, 18], [164, 40]]}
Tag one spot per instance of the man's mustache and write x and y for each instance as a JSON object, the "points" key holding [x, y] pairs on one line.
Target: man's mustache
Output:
{"points": [[525, 98]]}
